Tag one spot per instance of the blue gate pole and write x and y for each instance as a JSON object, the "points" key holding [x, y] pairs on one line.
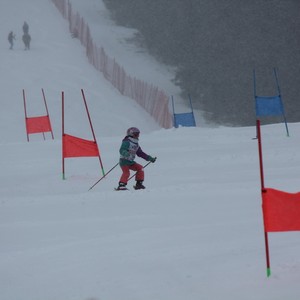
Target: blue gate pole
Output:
{"points": [[279, 92], [174, 119], [192, 109]]}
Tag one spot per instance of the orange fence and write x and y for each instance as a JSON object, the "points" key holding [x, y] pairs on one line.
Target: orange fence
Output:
{"points": [[151, 98]]}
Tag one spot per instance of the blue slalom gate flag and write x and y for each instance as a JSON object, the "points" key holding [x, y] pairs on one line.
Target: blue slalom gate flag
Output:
{"points": [[268, 106]]}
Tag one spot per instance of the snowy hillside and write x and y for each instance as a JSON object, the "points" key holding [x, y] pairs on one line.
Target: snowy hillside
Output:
{"points": [[196, 232]]}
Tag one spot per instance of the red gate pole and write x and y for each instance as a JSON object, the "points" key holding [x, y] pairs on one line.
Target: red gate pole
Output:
{"points": [[63, 133], [44, 97], [25, 114], [263, 191], [87, 111]]}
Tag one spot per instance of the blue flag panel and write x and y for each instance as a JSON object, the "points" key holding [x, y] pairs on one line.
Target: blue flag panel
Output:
{"points": [[268, 106], [184, 119]]}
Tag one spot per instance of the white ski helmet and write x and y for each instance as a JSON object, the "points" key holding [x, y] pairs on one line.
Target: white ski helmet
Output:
{"points": [[133, 132]]}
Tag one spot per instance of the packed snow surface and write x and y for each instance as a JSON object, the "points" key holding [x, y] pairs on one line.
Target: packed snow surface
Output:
{"points": [[195, 233]]}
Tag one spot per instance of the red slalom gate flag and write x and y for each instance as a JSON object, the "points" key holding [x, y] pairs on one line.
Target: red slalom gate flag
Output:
{"points": [[281, 210], [77, 147], [38, 124]]}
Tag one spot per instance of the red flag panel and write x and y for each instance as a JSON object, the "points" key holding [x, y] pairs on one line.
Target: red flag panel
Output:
{"points": [[38, 124], [281, 210], [77, 147]]}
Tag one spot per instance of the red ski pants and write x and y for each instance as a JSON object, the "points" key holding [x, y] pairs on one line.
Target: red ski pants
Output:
{"points": [[126, 172]]}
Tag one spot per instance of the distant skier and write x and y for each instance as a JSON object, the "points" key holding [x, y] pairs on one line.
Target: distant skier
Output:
{"points": [[11, 37], [128, 150], [26, 40], [25, 28]]}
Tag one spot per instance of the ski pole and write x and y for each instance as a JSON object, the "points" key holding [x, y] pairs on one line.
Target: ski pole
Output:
{"points": [[103, 176], [143, 168]]}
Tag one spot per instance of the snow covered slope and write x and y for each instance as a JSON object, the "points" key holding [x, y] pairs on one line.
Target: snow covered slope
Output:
{"points": [[195, 233]]}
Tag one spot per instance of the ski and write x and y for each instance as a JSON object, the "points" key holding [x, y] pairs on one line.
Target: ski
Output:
{"points": [[124, 189]]}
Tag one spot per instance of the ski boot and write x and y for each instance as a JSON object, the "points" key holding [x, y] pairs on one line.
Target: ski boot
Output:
{"points": [[121, 187], [139, 185]]}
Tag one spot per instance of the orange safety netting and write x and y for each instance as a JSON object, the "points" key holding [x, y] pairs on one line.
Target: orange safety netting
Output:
{"points": [[281, 210], [77, 147], [38, 124]]}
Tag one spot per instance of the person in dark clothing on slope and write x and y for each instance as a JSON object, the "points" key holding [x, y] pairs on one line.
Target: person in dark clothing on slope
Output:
{"points": [[25, 28], [26, 40], [11, 37], [128, 151]]}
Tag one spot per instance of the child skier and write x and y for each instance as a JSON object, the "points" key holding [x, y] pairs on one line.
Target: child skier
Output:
{"points": [[128, 150]]}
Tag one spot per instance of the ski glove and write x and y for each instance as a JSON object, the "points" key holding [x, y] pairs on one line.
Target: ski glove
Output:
{"points": [[152, 159]]}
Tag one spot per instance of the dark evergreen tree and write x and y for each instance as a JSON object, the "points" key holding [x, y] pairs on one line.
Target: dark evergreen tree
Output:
{"points": [[215, 46]]}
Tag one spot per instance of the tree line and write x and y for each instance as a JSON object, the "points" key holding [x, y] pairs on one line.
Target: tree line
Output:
{"points": [[215, 45]]}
